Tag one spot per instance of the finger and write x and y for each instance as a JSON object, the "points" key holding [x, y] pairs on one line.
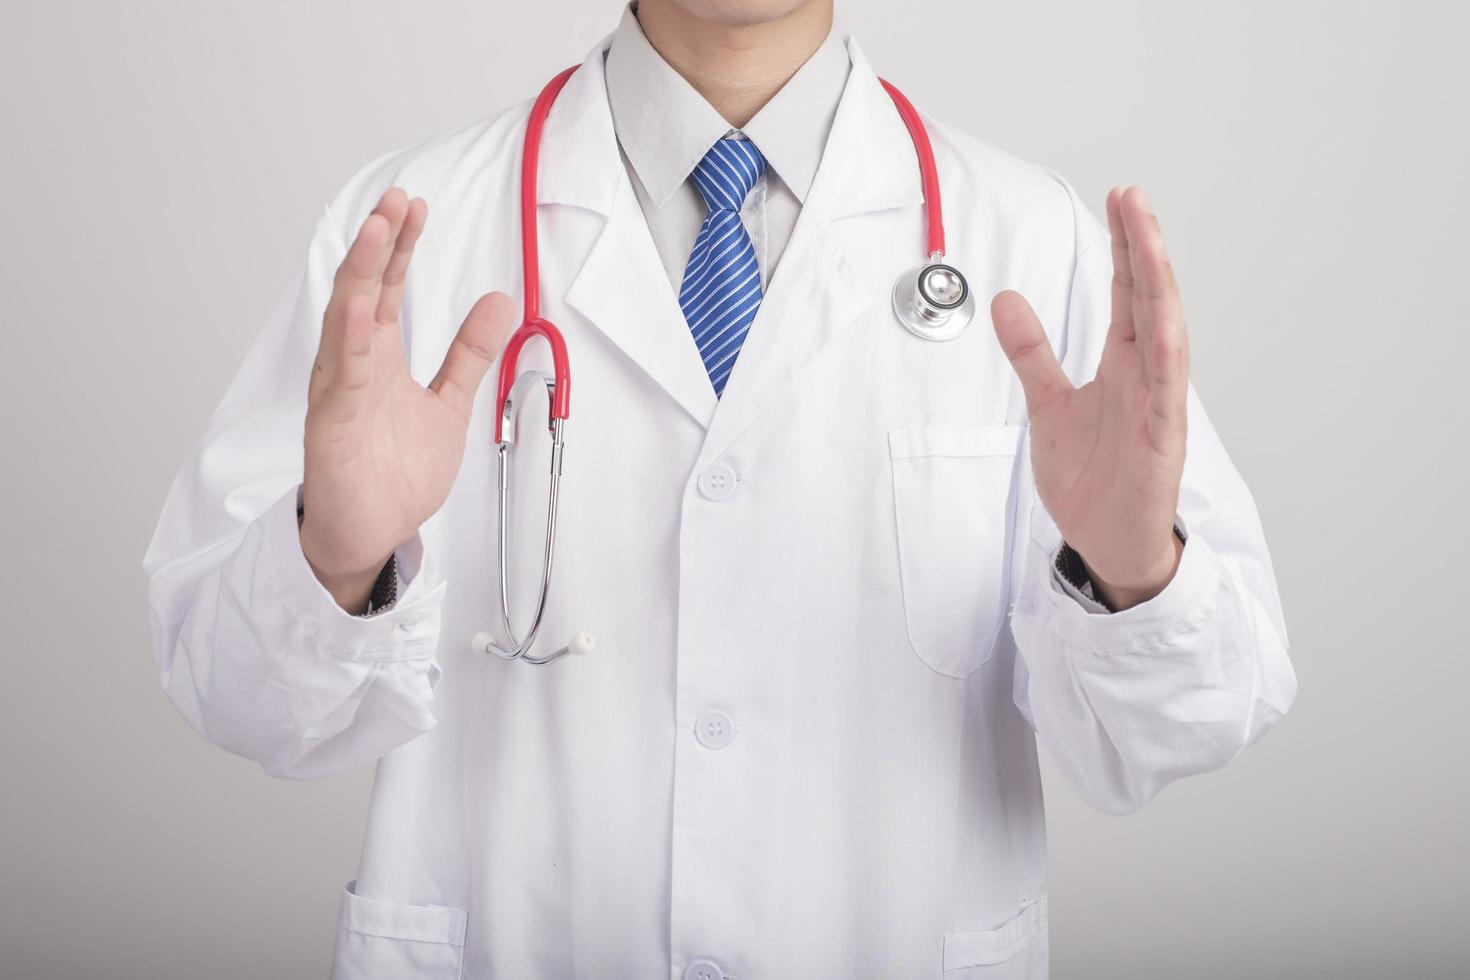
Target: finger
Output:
{"points": [[479, 341], [1122, 323], [361, 270], [1026, 345], [395, 274], [1155, 292], [350, 281], [1159, 317], [350, 384]]}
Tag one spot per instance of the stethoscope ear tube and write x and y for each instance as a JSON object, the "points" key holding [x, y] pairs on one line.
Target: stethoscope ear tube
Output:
{"points": [[560, 385], [520, 648]]}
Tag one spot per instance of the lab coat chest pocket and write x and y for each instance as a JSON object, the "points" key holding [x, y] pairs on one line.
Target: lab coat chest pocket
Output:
{"points": [[954, 492], [377, 939]]}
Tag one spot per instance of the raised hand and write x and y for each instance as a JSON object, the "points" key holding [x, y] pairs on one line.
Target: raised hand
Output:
{"points": [[382, 451], [1108, 456]]}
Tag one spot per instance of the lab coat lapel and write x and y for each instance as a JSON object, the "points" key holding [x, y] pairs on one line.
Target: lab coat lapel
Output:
{"points": [[623, 291], [820, 286], [621, 287]]}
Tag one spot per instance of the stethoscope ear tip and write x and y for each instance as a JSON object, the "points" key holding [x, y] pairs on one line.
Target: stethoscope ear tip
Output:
{"points": [[485, 643], [582, 643]]}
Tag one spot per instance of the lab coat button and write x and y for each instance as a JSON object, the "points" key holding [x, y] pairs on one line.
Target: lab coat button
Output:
{"points": [[717, 482], [703, 970], [714, 729]]}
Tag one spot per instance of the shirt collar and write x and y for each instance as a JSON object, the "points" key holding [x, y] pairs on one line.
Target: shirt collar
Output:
{"points": [[665, 126]]}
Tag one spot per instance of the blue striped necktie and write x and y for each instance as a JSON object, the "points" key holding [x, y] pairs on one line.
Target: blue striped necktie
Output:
{"points": [[722, 283]]}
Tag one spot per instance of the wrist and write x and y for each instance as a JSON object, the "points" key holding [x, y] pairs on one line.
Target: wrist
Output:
{"points": [[1120, 595], [350, 589], [352, 592]]}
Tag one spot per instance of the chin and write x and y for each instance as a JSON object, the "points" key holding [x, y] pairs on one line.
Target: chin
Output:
{"points": [[739, 12]]}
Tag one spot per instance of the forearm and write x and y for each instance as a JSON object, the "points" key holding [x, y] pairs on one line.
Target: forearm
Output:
{"points": [[1120, 597], [359, 593], [1177, 685]]}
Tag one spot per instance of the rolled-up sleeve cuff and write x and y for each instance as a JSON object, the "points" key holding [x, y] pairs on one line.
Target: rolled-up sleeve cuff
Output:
{"points": [[407, 631], [1184, 604]]}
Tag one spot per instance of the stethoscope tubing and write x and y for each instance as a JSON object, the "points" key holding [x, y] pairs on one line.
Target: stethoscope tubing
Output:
{"points": [[532, 325], [928, 172]]}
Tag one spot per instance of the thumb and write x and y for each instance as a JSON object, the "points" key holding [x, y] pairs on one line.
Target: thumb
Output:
{"points": [[480, 339], [1026, 346]]}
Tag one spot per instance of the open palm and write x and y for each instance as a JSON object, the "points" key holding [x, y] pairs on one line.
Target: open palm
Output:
{"points": [[1108, 456], [382, 451]]}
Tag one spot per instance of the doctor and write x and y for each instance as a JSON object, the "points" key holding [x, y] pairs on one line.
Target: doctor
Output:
{"points": [[842, 579]]}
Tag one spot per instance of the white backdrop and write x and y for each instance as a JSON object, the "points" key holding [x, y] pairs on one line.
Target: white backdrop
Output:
{"points": [[165, 162]]}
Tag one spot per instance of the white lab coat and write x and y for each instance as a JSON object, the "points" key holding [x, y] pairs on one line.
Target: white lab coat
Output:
{"points": [[870, 602]]}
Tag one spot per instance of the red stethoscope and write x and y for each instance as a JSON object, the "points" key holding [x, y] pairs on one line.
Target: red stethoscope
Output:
{"points": [[932, 300]]}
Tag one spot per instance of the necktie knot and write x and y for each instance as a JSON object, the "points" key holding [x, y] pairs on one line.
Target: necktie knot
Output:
{"points": [[727, 173]]}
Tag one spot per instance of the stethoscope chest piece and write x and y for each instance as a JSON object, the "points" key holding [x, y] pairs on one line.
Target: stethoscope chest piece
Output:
{"points": [[934, 301]]}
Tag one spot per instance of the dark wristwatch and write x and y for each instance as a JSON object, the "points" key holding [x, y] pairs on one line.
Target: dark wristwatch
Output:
{"points": [[385, 587]]}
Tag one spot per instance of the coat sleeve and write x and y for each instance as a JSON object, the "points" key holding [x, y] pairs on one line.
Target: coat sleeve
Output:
{"points": [[1128, 702], [250, 647]]}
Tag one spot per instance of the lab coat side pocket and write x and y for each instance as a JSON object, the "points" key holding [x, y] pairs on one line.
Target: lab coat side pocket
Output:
{"points": [[955, 490], [1017, 949], [377, 939]]}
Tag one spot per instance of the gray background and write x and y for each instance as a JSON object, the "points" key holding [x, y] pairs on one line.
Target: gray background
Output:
{"points": [[165, 163]]}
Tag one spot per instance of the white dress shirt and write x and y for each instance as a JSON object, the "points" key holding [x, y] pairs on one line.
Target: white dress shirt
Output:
{"points": [[664, 127]]}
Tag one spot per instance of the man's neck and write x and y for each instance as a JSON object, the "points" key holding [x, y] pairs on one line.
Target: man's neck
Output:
{"points": [[736, 67]]}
